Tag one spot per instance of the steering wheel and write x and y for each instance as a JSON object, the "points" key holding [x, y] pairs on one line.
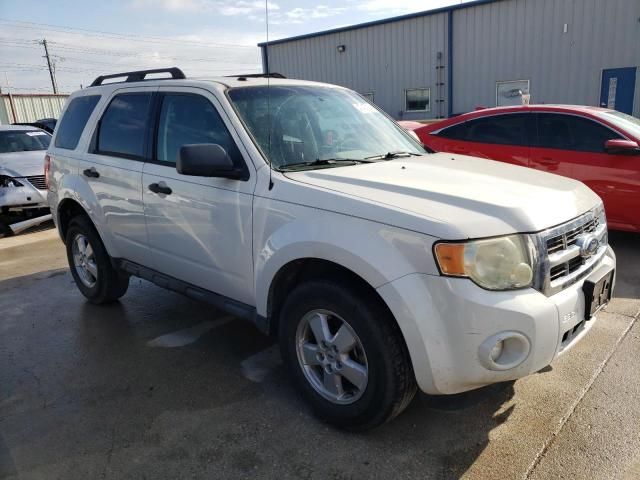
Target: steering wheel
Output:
{"points": [[310, 147]]}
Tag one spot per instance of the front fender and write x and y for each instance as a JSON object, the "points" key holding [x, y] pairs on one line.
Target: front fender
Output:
{"points": [[376, 252]]}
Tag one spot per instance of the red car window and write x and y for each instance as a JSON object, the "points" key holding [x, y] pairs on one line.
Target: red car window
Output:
{"points": [[570, 132], [507, 129]]}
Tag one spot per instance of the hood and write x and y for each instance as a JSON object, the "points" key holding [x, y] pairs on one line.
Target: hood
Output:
{"points": [[455, 196], [22, 164]]}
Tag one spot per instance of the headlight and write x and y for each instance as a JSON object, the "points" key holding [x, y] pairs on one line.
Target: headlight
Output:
{"points": [[501, 263], [6, 182], [600, 214]]}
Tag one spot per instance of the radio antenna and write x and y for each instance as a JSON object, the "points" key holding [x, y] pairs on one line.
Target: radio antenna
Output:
{"points": [[266, 62]]}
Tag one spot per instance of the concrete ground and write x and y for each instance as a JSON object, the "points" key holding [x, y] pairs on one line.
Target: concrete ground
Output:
{"points": [[159, 386]]}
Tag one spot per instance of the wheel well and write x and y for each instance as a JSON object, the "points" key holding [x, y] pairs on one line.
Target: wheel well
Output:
{"points": [[299, 271], [67, 210]]}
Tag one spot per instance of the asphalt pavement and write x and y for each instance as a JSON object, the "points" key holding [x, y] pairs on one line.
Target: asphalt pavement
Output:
{"points": [[160, 386]]}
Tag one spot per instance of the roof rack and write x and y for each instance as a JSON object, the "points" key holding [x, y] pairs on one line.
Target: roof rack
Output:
{"points": [[259, 75], [140, 75]]}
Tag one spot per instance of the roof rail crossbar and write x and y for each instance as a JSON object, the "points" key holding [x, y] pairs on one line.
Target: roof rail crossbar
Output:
{"points": [[259, 75], [140, 75]]}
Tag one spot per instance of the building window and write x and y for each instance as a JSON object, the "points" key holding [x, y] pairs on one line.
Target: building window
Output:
{"points": [[368, 96], [512, 92], [417, 99]]}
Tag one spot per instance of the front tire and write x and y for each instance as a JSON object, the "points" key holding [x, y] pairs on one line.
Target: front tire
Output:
{"points": [[90, 264], [346, 354]]}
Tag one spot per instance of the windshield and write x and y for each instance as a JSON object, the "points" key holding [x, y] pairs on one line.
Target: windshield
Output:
{"points": [[23, 141], [303, 124], [621, 120]]}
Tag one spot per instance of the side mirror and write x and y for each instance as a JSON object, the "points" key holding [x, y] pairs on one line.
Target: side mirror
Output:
{"points": [[206, 160], [622, 147]]}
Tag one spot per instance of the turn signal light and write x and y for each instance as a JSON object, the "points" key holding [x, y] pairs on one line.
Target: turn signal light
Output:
{"points": [[451, 258]]}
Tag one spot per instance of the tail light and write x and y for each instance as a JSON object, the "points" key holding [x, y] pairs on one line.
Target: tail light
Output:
{"points": [[47, 168]]}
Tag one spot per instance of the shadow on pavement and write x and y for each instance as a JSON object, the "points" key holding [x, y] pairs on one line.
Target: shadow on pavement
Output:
{"points": [[83, 392], [626, 245]]}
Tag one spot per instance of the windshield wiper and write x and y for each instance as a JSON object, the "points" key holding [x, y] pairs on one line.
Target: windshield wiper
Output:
{"points": [[325, 161], [390, 155]]}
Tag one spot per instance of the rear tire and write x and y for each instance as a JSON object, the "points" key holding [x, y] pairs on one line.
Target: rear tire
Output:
{"points": [[356, 379], [91, 265]]}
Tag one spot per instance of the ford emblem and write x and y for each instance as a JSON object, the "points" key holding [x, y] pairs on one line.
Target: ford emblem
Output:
{"points": [[588, 244]]}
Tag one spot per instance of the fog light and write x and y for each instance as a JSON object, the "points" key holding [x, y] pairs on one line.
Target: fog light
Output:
{"points": [[504, 350], [496, 351]]}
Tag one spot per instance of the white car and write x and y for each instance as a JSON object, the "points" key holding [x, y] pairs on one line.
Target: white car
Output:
{"points": [[22, 183], [304, 208]]}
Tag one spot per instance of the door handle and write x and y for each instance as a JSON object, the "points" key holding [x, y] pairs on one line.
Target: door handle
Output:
{"points": [[157, 188], [91, 172], [547, 161]]}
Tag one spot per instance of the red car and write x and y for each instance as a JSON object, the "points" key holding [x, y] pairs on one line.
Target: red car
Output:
{"points": [[594, 145]]}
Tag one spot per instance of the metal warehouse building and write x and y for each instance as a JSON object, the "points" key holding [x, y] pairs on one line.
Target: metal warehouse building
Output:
{"points": [[451, 60], [30, 107]]}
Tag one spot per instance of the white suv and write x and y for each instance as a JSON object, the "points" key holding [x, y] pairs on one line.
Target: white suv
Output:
{"points": [[306, 209]]}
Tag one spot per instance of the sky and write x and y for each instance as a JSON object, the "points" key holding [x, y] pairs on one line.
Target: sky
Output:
{"points": [[205, 38]]}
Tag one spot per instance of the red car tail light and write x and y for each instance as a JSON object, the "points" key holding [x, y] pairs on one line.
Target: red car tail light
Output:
{"points": [[47, 168]]}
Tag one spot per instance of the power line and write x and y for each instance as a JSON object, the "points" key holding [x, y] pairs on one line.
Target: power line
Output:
{"points": [[122, 53], [100, 33]]}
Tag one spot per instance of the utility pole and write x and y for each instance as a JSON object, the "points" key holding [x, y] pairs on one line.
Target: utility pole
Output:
{"points": [[51, 70], [11, 105]]}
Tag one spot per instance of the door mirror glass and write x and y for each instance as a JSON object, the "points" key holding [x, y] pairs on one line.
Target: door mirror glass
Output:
{"points": [[622, 147], [206, 160]]}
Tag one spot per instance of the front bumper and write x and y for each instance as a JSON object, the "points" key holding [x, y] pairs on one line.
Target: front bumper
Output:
{"points": [[449, 323], [18, 199]]}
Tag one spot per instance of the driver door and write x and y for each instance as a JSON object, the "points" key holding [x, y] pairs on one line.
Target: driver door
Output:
{"points": [[199, 228]]}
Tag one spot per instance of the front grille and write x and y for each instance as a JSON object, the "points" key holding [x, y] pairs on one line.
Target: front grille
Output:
{"points": [[566, 268], [568, 238], [562, 263], [38, 182]]}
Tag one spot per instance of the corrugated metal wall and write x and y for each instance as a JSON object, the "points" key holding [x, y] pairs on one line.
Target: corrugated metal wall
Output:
{"points": [[383, 59], [29, 108], [525, 39], [503, 40]]}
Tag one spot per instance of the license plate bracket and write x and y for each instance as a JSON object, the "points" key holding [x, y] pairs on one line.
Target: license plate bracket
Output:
{"points": [[597, 294]]}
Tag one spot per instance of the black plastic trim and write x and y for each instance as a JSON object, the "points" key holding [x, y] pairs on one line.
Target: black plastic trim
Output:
{"points": [[140, 75], [222, 302]]}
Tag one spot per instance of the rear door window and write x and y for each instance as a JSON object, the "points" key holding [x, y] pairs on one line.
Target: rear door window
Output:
{"points": [[70, 127], [456, 132], [500, 129], [571, 132], [508, 129], [123, 126]]}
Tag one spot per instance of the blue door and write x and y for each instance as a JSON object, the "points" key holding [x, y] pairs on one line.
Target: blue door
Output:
{"points": [[618, 87]]}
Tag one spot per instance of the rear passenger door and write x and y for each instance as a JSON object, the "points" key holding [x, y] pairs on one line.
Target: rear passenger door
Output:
{"points": [[113, 171], [200, 232], [503, 137]]}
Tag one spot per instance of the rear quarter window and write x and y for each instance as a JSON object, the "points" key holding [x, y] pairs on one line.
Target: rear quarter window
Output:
{"points": [[70, 127]]}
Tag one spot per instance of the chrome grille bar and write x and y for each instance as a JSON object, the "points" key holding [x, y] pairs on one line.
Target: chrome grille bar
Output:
{"points": [[560, 263], [37, 181]]}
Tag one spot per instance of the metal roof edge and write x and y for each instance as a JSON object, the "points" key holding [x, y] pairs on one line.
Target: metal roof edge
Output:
{"points": [[35, 94], [425, 13]]}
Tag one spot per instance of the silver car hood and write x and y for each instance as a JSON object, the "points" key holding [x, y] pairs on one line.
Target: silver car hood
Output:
{"points": [[22, 164], [451, 196]]}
